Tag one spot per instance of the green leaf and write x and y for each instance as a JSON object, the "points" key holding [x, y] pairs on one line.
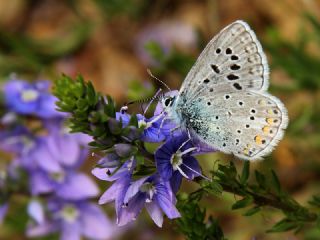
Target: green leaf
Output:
{"points": [[261, 180], [284, 225], [252, 211], [246, 201], [245, 172], [193, 222], [275, 182], [212, 187], [133, 121]]}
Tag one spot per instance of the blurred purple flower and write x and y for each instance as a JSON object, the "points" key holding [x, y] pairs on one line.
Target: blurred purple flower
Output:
{"points": [[55, 153], [174, 161], [3, 211], [73, 220], [52, 165], [17, 140], [69, 185], [167, 35], [31, 98], [36, 211]]}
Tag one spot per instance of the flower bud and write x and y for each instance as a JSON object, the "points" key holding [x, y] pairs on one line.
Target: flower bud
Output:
{"points": [[125, 150], [114, 126], [111, 160], [132, 133]]}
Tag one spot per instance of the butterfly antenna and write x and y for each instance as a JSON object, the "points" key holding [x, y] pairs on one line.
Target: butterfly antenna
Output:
{"points": [[157, 96], [163, 83]]}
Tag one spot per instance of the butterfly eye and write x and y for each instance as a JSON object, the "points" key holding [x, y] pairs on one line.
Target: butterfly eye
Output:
{"points": [[167, 102]]}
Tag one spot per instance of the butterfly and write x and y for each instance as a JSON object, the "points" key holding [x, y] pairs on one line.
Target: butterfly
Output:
{"points": [[223, 100]]}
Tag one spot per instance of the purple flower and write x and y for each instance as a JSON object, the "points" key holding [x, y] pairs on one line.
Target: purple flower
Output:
{"points": [[3, 211], [124, 118], [16, 140], [152, 193], [36, 211], [55, 153], [52, 166], [31, 98], [130, 197], [174, 161], [152, 131], [118, 189], [167, 35], [69, 185], [73, 220]]}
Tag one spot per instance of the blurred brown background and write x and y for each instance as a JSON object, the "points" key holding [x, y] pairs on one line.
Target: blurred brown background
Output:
{"points": [[100, 40]]}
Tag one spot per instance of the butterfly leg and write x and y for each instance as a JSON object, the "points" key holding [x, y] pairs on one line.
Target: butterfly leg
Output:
{"points": [[162, 122]]}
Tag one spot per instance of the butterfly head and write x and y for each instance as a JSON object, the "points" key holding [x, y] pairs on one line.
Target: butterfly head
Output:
{"points": [[168, 100]]}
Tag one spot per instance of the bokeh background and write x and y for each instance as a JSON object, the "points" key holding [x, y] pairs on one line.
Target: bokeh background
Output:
{"points": [[114, 42]]}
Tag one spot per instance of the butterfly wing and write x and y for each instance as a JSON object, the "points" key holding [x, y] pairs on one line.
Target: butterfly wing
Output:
{"points": [[232, 61], [246, 124], [223, 100]]}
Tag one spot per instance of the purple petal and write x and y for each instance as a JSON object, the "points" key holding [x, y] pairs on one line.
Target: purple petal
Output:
{"points": [[40, 183], [102, 173], [42, 85], [65, 148], [82, 139], [106, 173], [71, 231], [164, 200], [134, 189], [163, 157], [155, 213], [152, 134], [14, 140], [111, 194], [132, 210], [45, 159], [47, 107], [175, 181], [36, 211], [77, 186], [41, 229], [124, 117], [94, 223], [3, 211], [190, 167], [12, 91]]}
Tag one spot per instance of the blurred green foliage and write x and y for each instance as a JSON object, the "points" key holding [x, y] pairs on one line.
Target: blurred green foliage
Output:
{"points": [[22, 54], [294, 57], [131, 8]]}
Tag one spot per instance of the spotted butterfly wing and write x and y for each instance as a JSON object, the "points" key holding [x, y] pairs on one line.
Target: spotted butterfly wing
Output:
{"points": [[223, 100], [232, 60]]}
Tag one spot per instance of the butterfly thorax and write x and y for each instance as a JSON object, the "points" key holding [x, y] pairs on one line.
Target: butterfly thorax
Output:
{"points": [[186, 116]]}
